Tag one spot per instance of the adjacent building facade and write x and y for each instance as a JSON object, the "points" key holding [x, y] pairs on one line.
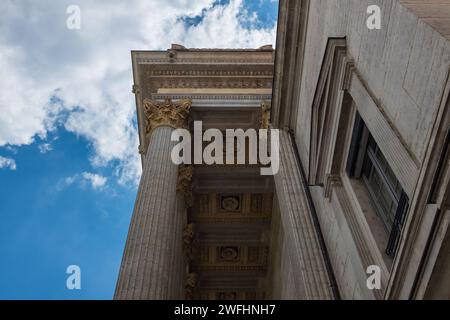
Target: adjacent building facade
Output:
{"points": [[368, 110], [362, 188]]}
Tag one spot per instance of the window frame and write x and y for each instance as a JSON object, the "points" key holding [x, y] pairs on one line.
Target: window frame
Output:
{"points": [[361, 154]]}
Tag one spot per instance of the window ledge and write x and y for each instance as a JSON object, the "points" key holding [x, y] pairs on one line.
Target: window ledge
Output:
{"points": [[368, 220]]}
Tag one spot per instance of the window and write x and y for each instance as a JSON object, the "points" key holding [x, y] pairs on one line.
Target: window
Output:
{"points": [[367, 163]]}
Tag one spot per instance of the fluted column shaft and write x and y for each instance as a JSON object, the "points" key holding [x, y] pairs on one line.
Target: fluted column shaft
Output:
{"points": [[178, 263], [146, 264], [304, 248]]}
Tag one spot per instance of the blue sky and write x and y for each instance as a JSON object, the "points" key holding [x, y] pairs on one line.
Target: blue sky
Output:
{"points": [[69, 165]]}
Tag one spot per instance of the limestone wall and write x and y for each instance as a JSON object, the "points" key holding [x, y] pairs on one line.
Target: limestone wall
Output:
{"points": [[405, 68], [405, 65]]}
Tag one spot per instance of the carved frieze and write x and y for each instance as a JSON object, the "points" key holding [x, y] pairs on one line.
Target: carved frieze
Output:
{"points": [[208, 73], [213, 58], [211, 83]]}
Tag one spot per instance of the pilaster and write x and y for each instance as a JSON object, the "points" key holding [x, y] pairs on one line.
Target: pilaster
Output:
{"points": [[298, 225]]}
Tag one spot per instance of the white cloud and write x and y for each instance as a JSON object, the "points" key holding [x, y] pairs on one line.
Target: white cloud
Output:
{"points": [[96, 181], [7, 163], [65, 183], [89, 70], [45, 147]]}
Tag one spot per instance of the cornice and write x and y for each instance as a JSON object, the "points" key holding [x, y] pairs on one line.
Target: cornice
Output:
{"points": [[208, 73]]}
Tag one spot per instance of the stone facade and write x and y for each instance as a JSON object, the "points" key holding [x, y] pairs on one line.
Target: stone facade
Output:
{"points": [[363, 117], [331, 69]]}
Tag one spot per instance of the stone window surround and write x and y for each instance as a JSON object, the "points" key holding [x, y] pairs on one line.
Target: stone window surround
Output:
{"points": [[363, 211], [360, 201], [368, 239], [362, 187], [352, 198], [398, 157]]}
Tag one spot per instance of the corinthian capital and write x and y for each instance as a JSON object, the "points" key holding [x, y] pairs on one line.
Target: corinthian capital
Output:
{"points": [[167, 114]]}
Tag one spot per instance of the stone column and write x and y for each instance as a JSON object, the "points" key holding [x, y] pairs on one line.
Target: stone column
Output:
{"points": [[178, 260], [177, 264], [147, 265], [303, 248]]}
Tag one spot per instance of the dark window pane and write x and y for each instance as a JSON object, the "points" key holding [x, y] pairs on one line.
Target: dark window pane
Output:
{"points": [[386, 193]]}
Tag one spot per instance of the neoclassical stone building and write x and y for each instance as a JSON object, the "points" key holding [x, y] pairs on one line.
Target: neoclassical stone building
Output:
{"points": [[364, 118]]}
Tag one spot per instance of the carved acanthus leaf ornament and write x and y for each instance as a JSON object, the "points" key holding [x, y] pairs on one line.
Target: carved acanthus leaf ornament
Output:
{"points": [[167, 114], [185, 173], [190, 285], [266, 108], [188, 239]]}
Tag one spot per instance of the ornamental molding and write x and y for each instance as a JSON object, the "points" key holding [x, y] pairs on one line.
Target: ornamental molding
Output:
{"points": [[188, 239], [266, 108], [209, 73], [166, 114], [136, 89], [225, 98], [171, 59], [208, 83], [190, 284], [185, 173]]}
